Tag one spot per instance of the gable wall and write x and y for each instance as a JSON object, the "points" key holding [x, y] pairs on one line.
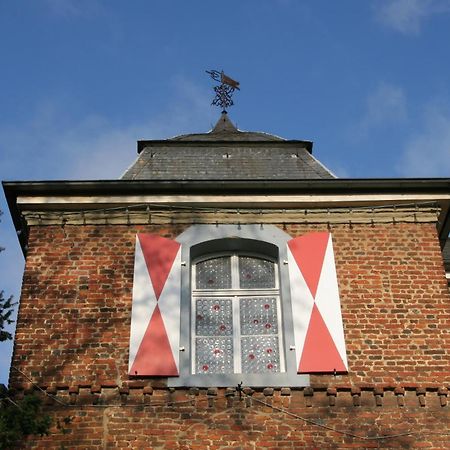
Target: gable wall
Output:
{"points": [[73, 332]]}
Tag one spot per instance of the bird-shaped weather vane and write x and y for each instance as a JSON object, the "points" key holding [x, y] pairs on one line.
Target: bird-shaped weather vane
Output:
{"points": [[224, 90]]}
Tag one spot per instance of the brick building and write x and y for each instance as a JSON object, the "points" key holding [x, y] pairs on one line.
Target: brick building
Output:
{"points": [[230, 292]]}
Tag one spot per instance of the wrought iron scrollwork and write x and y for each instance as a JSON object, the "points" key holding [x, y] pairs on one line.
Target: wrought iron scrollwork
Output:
{"points": [[224, 91]]}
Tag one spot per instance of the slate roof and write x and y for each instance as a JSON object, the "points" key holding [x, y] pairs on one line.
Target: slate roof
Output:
{"points": [[226, 153]]}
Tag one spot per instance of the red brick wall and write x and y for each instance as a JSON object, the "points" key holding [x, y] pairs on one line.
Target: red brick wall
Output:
{"points": [[73, 331], [218, 419], [74, 319]]}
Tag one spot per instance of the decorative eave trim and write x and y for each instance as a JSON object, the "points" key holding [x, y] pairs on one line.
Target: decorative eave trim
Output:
{"points": [[170, 214], [331, 193]]}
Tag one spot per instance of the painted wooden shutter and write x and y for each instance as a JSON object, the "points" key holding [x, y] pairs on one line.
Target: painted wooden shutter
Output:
{"points": [[318, 329], [155, 316]]}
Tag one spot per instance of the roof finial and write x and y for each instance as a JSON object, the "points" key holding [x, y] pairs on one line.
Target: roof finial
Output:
{"points": [[224, 90]]}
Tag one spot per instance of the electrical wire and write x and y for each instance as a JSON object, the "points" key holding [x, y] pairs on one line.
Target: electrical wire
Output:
{"points": [[346, 433], [12, 401], [254, 399], [215, 209], [38, 387], [165, 212], [63, 403]]}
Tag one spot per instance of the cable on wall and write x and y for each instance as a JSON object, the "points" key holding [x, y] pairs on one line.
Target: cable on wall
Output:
{"points": [[345, 433], [144, 213], [242, 393]]}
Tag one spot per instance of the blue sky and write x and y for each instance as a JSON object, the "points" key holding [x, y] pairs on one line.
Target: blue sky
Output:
{"points": [[81, 80]]}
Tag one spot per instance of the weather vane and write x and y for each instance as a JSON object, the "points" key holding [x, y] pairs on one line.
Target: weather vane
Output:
{"points": [[224, 91]]}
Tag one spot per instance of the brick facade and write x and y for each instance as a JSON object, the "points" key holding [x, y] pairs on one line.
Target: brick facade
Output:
{"points": [[217, 419], [73, 333]]}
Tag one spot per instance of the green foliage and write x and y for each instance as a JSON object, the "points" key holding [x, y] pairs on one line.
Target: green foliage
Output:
{"points": [[21, 419], [6, 309]]}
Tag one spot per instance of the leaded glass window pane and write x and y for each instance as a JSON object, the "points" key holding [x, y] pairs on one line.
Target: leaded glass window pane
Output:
{"points": [[214, 355], [256, 273], [258, 315], [260, 354], [213, 317], [237, 331], [213, 273]]}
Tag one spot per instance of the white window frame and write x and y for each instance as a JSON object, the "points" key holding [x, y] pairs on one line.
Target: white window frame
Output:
{"points": [[264, 239], [235, 293]]}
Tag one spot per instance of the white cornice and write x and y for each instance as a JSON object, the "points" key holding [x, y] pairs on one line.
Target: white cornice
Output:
{"points": [[314, 200]]}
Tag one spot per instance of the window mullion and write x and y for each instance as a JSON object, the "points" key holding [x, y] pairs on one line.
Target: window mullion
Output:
{"points": [[193, 334], [236, 335], [280, 335], [211, 292], [236, 316], [234, 272]]}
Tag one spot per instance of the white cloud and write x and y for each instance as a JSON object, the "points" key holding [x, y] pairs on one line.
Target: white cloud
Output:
{"points": [[427, 153], [52, 146], [407, 16], [340, 170], [385, 105]]}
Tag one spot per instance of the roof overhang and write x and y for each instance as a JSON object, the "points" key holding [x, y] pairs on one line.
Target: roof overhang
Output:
{"points": [[168, 143], [323, 193]]}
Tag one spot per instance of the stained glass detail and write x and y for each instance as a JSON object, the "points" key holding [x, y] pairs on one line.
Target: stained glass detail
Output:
{"points": [[253, 346], [258, 315], [260, 354], [256, 273], [213, 273], [214, 317], [214, 355]]}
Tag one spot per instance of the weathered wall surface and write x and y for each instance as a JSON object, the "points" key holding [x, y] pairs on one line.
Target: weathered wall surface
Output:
{"points": [[73, 332], [143, 418]]}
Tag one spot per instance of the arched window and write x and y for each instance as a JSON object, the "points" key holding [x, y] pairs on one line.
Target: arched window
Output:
{"points": [[236, 315]]}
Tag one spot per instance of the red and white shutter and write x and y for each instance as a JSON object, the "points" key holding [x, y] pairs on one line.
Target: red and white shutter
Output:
{"points": [[318, 329], [155, 316]]}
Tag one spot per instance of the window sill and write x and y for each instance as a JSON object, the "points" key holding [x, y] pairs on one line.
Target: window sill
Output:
{"points": [[232, 380]]}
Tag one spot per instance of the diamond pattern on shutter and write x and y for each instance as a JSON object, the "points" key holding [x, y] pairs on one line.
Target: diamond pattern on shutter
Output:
{"points": [[155, 317], [318, 329]]}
